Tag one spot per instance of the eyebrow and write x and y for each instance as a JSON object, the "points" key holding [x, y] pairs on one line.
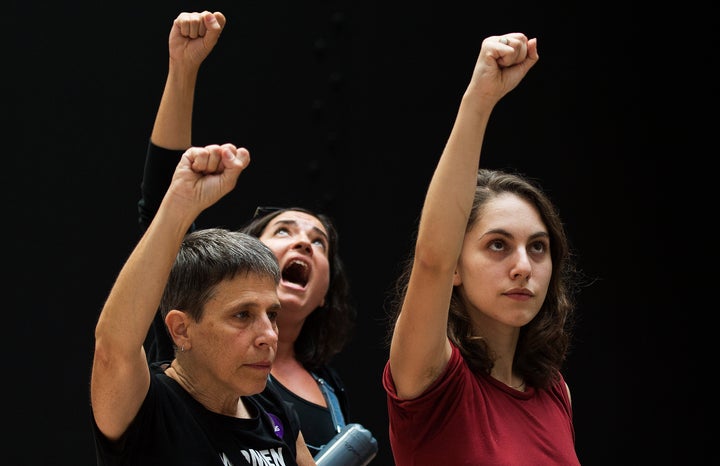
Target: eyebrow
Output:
{"points": [[503, 232], [294, 223]]}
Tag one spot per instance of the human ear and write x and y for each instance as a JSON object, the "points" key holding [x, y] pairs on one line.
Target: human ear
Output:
{"points": [[457, 280], [176, 323]]}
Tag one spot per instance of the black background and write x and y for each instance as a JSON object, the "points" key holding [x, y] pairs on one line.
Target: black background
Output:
{"points": [[345, 107]]}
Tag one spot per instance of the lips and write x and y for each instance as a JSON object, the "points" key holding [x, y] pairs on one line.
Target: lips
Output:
{"points": [[297, 272], [261, 366], [519, 291]]}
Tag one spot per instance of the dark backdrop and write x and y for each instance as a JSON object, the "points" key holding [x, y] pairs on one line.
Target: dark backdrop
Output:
{"points": [[345, 107]]}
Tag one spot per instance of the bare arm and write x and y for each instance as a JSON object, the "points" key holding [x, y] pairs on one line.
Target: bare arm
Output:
{"points": [[567, 387], [303, 457], [192, 38], [120, 376], [420, 349]]}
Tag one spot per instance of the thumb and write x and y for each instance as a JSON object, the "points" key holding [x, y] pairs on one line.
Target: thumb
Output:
{"points": [[214, 24], [234, 161], [220, 19]]}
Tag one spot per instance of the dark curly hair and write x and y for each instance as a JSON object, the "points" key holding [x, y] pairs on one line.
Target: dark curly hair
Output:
{"points": [[329, 327], [545, 341]]}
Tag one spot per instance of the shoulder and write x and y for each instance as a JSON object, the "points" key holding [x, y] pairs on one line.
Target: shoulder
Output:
{"points": [[333, 378], [561, 390]]}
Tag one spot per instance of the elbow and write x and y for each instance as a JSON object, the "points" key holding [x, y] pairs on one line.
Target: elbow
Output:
{"points": [[435, 259]]}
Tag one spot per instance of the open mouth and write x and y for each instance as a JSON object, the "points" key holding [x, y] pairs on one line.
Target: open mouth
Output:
{"points": [[296, 272]]}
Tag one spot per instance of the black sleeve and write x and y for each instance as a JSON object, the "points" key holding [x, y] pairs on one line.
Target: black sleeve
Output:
{"points": [[160, 164]]}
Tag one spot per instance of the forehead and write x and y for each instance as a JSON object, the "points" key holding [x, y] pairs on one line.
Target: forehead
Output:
{"points": [[246, 289], [302, 219], [508, 211]]}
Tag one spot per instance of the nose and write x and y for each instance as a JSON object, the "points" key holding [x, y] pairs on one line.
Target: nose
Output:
{"points": [[522, 268], [267, 332], [303, 243]]}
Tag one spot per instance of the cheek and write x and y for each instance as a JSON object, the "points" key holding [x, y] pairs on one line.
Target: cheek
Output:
{"points": [[478, 281], [274, 245], [232, 347], [323, 269], [543, 273], [215, 329], [476, 270]]}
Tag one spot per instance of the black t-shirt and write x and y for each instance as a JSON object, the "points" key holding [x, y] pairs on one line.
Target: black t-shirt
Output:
{"points": [[315, 420], [160, 164], [172, 428]]}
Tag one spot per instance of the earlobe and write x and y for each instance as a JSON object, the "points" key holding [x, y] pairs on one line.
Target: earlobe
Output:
{"points": [[456, 278], [176, 323]]}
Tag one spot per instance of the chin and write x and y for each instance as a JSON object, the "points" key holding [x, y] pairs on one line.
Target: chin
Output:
{"points": [[254, 388]]}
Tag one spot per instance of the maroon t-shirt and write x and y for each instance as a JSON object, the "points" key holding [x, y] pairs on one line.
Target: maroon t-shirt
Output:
{"points": [[465, 419]]}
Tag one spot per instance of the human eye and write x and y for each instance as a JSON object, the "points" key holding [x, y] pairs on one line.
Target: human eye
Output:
{"points": [[496, 245], [538, 247], [273, 316], [321, 242], [242, 315], [282, 231]]}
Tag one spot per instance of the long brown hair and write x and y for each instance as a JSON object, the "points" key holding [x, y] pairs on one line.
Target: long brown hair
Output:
{"points": [[545, 341]]}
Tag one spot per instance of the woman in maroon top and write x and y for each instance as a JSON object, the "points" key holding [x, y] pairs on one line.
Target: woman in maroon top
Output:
{"points": [[485, 304]]}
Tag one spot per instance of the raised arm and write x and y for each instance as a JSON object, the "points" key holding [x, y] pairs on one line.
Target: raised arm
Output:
{"points": [[192, 38], [120, 375], [420, 348]]}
